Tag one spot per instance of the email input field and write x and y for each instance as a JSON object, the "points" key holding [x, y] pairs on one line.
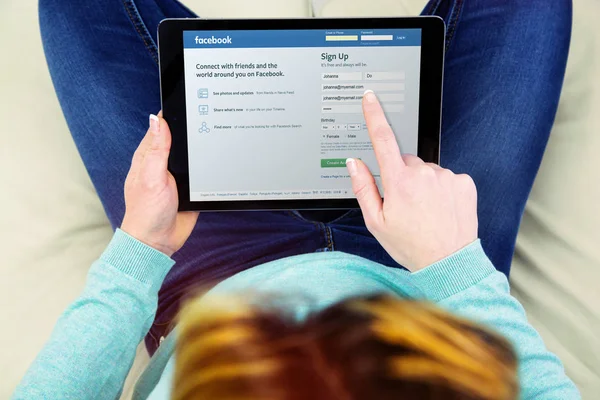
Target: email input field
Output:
{"points": [[361, 87], [341, 38], [383, 97]]}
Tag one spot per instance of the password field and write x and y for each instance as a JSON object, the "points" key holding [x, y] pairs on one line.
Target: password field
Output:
{"points": [[357, 108]]}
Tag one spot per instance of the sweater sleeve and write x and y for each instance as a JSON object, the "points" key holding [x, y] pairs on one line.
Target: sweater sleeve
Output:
{"points": [[93, 344], [467, 284]]}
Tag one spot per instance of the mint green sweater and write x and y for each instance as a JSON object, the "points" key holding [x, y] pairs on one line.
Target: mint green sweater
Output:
{"points": [[94, 342]]}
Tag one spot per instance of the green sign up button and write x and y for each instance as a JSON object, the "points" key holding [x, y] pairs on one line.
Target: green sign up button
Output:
{"points": [[333, 163]]}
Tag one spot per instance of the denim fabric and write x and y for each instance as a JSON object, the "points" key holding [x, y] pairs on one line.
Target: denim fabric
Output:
{"points": [[505, 63]]}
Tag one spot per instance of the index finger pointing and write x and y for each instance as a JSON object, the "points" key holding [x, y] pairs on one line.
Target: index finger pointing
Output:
{"points": [[384, 141]]}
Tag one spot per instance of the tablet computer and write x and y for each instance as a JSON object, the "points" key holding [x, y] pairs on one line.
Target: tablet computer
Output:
{"points": [[263, 113]]}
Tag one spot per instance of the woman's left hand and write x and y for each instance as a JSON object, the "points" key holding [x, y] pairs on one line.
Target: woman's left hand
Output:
{"points": [[151, 199]]}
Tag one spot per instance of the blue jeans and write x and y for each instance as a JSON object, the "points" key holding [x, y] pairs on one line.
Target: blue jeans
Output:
{"points": [[505, 63]]}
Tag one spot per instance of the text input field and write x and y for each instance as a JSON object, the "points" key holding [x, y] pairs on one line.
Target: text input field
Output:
{"points": [[376, 37], [357, 108]]}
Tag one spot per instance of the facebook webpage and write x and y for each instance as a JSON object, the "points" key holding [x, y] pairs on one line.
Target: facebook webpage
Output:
{"points": [[273, 115]]}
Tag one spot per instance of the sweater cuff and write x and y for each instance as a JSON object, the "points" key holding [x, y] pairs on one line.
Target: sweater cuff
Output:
{"points": [[455, 273], [134, 258]]}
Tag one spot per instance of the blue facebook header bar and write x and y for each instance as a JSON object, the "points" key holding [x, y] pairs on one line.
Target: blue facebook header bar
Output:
{"points": [[301, 38]]}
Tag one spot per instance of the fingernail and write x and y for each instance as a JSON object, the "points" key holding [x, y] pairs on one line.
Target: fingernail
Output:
{"points": [[351, 165], [154, 123], [370, 96]]}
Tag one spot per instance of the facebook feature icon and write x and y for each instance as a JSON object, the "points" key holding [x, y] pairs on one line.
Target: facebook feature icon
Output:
{"points": [[203, 93]]}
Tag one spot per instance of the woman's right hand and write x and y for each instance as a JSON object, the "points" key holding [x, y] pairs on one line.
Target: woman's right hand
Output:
{"points": [[429, 212]]}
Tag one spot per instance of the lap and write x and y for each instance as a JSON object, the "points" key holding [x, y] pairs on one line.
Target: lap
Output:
{"points": [[505, 62], [504, 68]]}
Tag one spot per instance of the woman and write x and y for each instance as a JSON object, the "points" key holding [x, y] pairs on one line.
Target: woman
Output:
{"points": [[505, 64]]}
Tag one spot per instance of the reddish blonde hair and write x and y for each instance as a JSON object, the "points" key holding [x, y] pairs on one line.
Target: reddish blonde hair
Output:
{"points": [[378, 347]]}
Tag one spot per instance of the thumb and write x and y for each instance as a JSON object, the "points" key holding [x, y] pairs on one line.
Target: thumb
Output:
{"points": [[156, 159], [365, 189]]}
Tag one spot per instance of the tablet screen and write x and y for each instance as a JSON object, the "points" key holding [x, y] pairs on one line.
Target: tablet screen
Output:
{"points": [[273, 114]]}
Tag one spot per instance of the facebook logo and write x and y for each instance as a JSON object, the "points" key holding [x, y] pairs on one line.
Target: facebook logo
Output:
{"points": [[213, 40]]}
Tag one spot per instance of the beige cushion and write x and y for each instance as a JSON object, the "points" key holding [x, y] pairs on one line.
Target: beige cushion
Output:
{"points": [[249, 8], [370, 8]]}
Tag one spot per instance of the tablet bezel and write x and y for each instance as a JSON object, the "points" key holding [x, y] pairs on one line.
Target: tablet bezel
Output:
{"points": [[170, 31]]}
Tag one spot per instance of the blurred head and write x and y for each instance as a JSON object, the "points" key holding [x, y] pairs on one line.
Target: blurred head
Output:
{"points": [[378, 347]]}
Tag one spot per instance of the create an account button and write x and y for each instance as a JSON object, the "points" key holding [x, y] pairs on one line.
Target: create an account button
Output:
{"points": [[333, 163]]}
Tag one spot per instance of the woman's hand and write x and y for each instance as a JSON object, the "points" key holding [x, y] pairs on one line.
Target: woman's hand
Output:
{"points": [[151, 194], [428, 213]]}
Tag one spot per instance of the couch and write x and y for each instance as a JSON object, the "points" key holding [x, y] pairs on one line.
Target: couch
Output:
{"points": [[53, 226]]}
